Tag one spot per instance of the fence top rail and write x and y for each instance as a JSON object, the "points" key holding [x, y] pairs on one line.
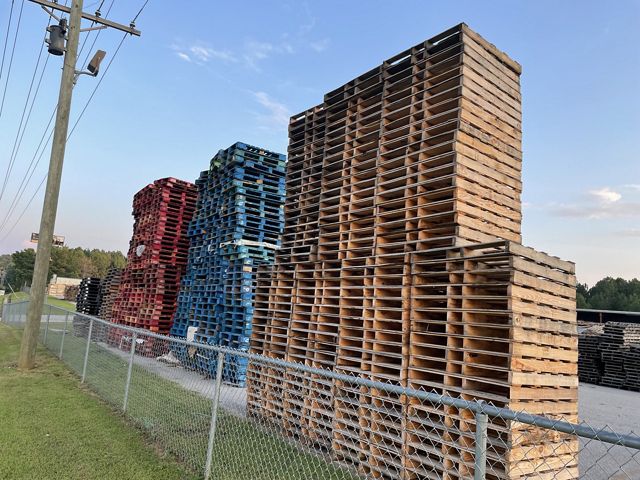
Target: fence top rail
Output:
{"points": [[585, 431]]}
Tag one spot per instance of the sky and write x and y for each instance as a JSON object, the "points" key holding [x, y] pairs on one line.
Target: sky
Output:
{"points": [[208, 74]]}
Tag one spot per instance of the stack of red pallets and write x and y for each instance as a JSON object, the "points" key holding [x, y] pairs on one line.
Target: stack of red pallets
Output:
{"points": [[157, 256]]}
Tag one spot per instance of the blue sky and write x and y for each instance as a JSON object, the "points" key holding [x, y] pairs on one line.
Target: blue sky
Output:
{"points": [[207, 74]]}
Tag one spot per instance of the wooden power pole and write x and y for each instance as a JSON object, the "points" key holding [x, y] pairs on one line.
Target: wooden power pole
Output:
{"points": [[26, 357]]}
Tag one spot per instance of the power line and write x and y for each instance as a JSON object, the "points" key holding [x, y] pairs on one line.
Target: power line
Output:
{"points": [[6, 38], [14, 152], [70, 133], [78, 119], [30, 171], [139, 11], [97, 86], [19, 194], [13, 50], [25, 208], [86, 59]]}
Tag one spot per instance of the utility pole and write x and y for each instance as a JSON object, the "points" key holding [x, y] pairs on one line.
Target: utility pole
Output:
{"points": [[26, 357]]}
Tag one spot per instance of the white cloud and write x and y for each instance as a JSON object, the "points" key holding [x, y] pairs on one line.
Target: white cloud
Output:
{"points": [[632, 232], [598, 204], [597, 211], [278, 114], [632, 186], [201, 54], [255, 52], [205, 54], [320, 45], [184, 56], [606, 195]]}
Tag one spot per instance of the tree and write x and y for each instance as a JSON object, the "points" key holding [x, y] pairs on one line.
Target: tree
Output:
{"points": [[582, 293], [5, 263], [610, 294], [21, 269], [65, 262]]}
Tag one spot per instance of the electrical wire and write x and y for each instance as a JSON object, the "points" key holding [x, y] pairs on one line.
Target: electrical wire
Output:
{"points": [[69, 135], [6, 38], [139, 12], [86, 58], [34, 164], [13, 51], [25, 208], [76, 122], [15, 148]]}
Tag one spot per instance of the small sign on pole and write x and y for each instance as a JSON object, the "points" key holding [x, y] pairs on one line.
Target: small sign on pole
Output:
{"points": [[58, 240]]}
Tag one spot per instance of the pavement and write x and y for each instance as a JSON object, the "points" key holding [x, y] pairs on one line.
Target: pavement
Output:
{"points": [[614, 410]]}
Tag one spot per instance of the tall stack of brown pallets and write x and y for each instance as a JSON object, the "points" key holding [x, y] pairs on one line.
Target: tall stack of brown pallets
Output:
{"points": [[401, 263]]}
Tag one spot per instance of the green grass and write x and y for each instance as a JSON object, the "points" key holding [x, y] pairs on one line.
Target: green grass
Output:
{"points": [[15, 297], [178, 421], [56, 302], [52, 427]]}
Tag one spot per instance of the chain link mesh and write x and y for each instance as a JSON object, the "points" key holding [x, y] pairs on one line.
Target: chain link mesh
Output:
{"points": [[229, 415]]}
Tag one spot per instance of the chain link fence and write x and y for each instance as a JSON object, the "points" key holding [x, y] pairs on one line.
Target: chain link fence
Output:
{"points": [[233, 415]]}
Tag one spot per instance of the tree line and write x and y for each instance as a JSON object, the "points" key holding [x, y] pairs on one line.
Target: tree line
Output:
{"points": [[610, 294], [65, 262], [607, 294]]}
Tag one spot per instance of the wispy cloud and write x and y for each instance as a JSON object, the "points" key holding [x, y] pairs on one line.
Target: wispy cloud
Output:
{"points": [[310, 22], [183, 56], [606, 195], [201, 54], [320, 45], [600, 203], [251, 52], [632, 186], [277, 114], [631, 232], [597, 211]]}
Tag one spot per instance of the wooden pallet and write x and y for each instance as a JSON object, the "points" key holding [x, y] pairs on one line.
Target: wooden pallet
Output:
{"points": [[400, 264]]}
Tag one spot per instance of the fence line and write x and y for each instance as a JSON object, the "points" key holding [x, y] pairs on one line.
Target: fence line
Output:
{"points": [[99, 360]]}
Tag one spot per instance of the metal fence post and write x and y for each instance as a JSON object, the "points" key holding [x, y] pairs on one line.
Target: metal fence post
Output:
{"points": [[64, 332], [46, 327], [480, 469], [214, 415], [86, 352], [126, 386]]}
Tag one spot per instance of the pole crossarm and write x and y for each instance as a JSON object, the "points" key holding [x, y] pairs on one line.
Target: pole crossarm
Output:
{"points": [[87, 16]]}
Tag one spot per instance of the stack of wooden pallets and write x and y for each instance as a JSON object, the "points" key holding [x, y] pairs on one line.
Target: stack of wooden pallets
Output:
{"points": [[157, 256], [590, 364], [109, 288], [619, 348], [401, 263], [236, 228], [88, 296], [87, 302]]}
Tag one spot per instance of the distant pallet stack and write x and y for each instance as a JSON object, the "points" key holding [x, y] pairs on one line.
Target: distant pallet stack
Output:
{"points": [[157, 256], [401, 263], [236, 229], [109, 288], [619, 350], [88, 296], [87, 302], [590, 365]]}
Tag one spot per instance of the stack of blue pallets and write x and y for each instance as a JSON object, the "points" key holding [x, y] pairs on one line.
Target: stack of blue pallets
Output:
{"points": [[236, 228]]}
